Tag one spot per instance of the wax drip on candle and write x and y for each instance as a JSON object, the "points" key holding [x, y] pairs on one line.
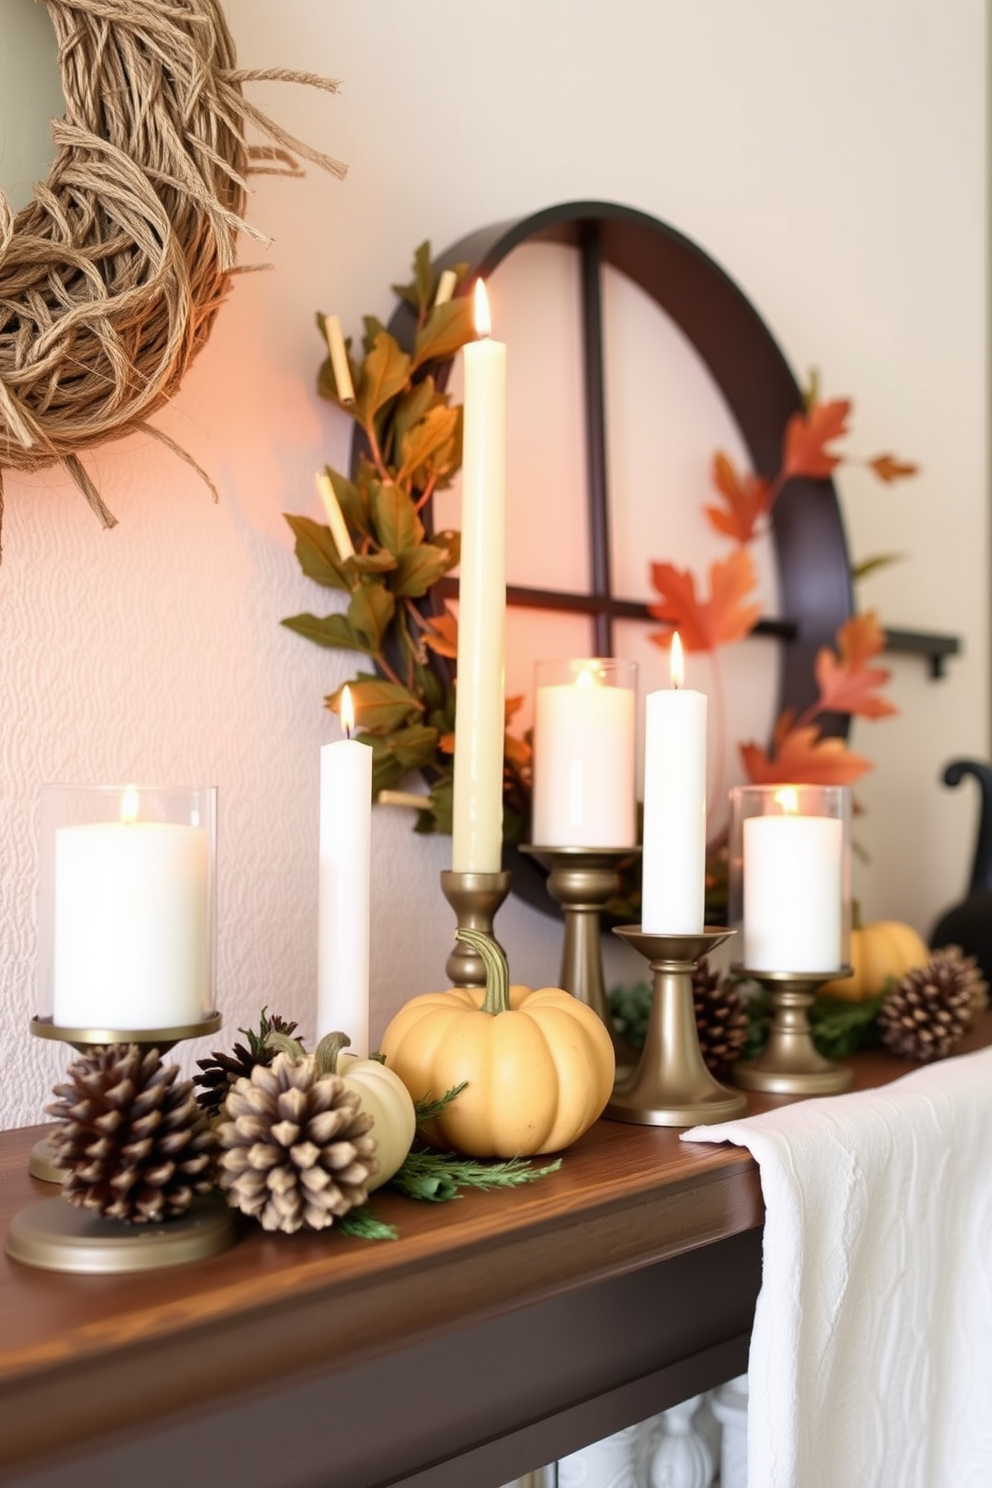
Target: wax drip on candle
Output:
{"points": [[347, 713]]}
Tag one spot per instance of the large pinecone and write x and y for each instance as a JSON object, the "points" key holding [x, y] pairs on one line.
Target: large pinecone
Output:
{"points": [[926, 1014], [221, 1070], [296, 1149], [133, 1140], [721, 1020]]}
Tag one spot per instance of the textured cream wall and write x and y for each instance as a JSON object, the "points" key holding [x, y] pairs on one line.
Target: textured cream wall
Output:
{"points": [[830, 157]]}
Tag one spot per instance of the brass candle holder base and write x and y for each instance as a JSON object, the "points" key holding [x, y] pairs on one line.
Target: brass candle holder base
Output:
{"points": [[790, 1063], [583, 880], [41, 1163], [671, 1085], [53, 1235], [475, 898]]}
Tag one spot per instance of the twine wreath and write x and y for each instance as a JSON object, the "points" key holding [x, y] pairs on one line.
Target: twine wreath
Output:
{"points": [[110, 278]]}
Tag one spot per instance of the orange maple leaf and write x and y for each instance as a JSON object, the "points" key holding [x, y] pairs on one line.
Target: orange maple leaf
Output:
{"points": [[807, 435], [888, 468], [705, 624], [847, 683], [441, 634], [804, 758], [746, 497]]}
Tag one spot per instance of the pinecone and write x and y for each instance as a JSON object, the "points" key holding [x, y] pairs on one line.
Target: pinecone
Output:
{"points": [[296, 1146], [925, 1015], [721, 1020], [221, 1070], [134, 1142]]}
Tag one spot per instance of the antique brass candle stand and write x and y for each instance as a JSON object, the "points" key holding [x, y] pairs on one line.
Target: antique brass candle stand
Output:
{"points": [[475, 898], [790, 1063], [583, 880], [671, 1085], [56, 1236]]}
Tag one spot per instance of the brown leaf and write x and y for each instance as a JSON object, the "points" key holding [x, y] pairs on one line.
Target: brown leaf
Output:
{"points": [[847, 683], [807, 435], [889, 468], [705, 624], [746, 500], [441, 634], [802, 757], [446, 743]]}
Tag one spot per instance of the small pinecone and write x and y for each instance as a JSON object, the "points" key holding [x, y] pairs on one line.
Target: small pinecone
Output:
{"points": [[925, 1015], [296, 1146], [134, 1142], [221, 1070], [721, 1020]]}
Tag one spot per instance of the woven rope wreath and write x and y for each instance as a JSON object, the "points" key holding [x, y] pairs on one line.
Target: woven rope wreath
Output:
{"points": [[110, 278]]}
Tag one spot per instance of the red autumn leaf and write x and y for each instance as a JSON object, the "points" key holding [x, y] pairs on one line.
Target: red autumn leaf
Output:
{"points": [[847, 683], [446, 743], [517, 752], [441, 634], [746, 498], [888, 468], [705, 624], [807, 435], [804, 758]]}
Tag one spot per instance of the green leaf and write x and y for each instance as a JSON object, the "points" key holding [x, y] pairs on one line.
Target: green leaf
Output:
{"points": [[436, 1177], [397, 525], [353, 503], [430, 687], [446, 329], [328, 630], [369, 613], [380, 706], [414, 747], [452, 543], [417, 570], [384, 374], [387, 772], [427, 1109], [425, 439], [841, 1027], [874, 563], [420, 293], [362, 1224], [370, 563], [316, 552], [373, 325], [412, 407], [439, 818]]}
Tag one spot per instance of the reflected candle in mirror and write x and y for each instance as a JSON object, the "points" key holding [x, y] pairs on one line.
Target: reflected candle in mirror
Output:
{"points": [[674, 881], [584, 723], [131, 923], [793, 889]]}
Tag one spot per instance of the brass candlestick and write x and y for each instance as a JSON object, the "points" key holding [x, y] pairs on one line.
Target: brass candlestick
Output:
{"points": [[790, 1063], [671, 1085], [583, 880], [54, 1235], [475, 898]]}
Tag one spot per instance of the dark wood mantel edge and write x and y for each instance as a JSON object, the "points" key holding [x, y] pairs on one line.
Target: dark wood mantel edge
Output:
{"points": [[301, 1335]]}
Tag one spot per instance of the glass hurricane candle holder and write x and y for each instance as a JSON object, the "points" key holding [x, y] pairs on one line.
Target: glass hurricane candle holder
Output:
{"points": [[790, 898], [126, 911], [584, 753]]}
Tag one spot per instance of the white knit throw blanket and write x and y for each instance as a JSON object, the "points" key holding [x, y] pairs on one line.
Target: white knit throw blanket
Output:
{"points": [[871, 1356]]}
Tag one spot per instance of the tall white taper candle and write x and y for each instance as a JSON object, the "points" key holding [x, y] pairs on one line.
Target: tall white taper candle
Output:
{"points": [[343, 893]]}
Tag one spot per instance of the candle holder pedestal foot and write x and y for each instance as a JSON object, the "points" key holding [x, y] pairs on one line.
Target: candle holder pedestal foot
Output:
{"points": [[583, 880], [41, 1163], [790, 1063], [671, 1085], [475, 898], [53, 1235]]}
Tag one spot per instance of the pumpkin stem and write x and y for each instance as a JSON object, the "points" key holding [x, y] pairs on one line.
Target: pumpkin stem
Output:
{"points": [[283, 1044], [327, 1051], [497, 970]]}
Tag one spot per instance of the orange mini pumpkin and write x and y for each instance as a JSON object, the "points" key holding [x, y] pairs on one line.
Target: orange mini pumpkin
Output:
{"points": [[538, 1066]]}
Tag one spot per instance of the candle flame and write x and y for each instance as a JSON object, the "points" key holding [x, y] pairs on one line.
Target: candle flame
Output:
{"points": [[129, 806], [347, 713], [677, 661], [788, 799], [483, 319], [588, 676]]}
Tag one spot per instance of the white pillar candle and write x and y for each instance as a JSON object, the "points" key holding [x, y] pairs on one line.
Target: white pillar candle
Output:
{"points": [[674, 861], [343, 891], [793, 893], [131, 924], [584, 794], [477, 835]]}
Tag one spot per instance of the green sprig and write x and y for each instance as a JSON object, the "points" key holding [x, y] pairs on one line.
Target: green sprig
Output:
{"points": [[436, 1177]]}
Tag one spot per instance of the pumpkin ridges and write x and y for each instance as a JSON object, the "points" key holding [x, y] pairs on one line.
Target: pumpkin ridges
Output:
{"points": [[582, 1096]]}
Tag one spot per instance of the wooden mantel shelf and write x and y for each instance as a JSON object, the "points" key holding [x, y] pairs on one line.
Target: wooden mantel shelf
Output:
{"points": [[497, 1333]]}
